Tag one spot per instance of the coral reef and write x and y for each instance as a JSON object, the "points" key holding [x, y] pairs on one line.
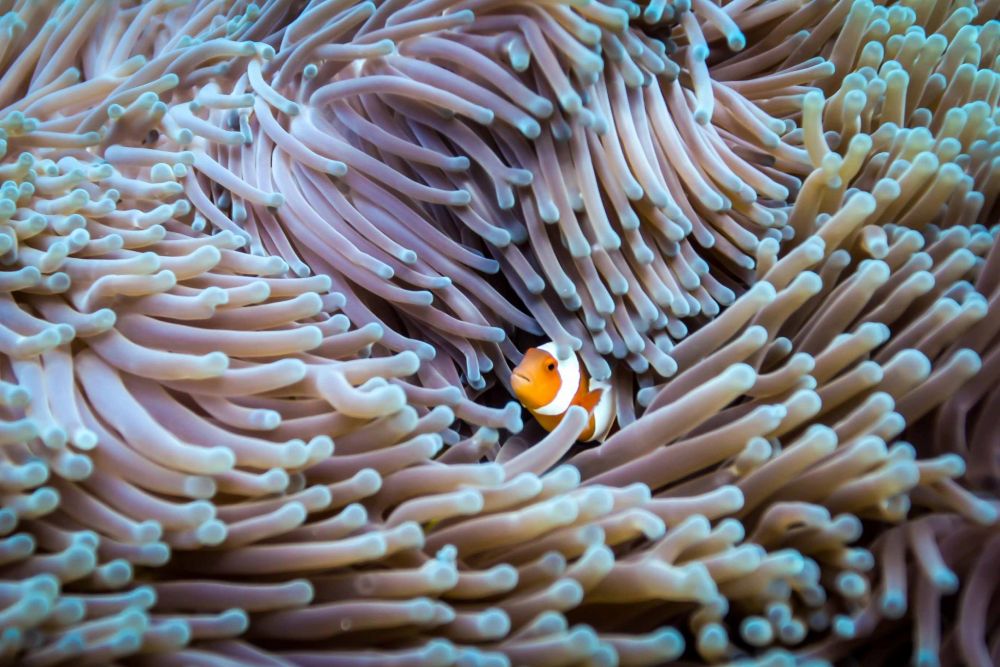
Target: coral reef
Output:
{"points": [[265, 268]]}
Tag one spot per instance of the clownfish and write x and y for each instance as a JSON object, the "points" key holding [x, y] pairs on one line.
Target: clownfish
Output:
{"points": [[547, 386]]}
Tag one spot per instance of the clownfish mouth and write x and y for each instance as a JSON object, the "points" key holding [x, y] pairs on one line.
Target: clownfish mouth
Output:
{"points": [[520, 376]]}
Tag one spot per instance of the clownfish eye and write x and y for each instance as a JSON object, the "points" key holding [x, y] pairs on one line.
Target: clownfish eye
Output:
{"points": [[551, 366]]}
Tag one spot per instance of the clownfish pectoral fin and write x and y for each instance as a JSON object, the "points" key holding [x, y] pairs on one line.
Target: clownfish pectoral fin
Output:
{"points": [[590, 400]]}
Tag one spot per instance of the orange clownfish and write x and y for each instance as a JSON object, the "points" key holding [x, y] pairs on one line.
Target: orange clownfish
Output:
{"points": [[547, 386]]}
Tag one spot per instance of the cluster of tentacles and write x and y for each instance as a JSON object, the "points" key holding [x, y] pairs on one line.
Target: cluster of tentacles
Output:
{"points": [[264, 269]]}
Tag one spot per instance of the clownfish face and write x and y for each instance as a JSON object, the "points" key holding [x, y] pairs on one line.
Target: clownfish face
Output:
{"points": [[536, 380]]}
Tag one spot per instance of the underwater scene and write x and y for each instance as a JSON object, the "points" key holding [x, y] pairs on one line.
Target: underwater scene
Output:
{"points": [[497, 333]]}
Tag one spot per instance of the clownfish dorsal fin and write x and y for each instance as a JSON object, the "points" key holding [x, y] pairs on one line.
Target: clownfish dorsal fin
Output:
{"points": [[591, 399]]}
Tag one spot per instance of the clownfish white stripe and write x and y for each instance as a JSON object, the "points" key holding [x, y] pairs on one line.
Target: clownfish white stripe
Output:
{"points": [[569, 376], [604, 411]]}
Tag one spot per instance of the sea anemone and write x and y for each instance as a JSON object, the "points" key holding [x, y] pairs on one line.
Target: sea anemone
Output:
{"points": [[264, 270]]}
